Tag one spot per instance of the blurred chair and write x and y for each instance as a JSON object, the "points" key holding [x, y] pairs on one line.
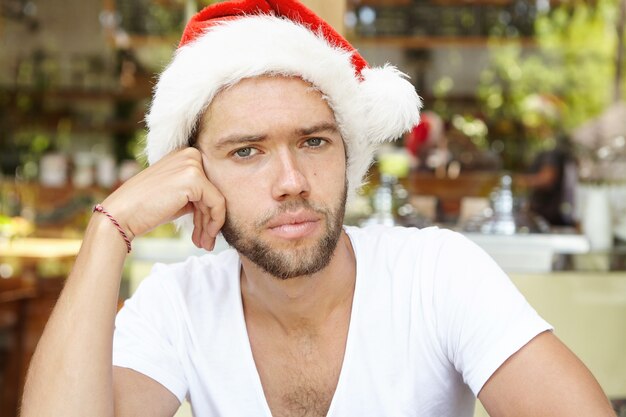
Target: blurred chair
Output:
{"points": [[14, 294]]}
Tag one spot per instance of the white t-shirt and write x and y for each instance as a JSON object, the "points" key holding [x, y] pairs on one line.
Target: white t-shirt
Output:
{"points": [[432, 318]]}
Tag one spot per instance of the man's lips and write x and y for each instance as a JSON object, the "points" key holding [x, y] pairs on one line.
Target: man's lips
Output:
{"points": [[293, 225], [286, 219]]}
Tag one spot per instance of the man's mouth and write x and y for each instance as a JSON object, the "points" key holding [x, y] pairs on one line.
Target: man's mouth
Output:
{"points": [[293, 225]]}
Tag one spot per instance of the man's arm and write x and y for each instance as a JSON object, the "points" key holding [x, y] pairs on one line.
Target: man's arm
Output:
{"points": [[544, 378], [71, 373], [137, 395], [543, 179]]}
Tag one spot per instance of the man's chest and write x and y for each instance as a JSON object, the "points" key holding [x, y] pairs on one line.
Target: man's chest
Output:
{"points": [[299, 374]]}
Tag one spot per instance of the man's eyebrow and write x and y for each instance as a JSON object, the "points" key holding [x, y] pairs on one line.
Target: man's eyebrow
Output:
{"points": [[239, 139], [321, 127], [236, 139]]}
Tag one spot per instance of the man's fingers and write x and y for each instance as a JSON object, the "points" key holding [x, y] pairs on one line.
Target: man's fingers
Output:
{"points": [[217, 205], [196, 236], [218, 216], [208, 202], [208, 241], [213, 206]]}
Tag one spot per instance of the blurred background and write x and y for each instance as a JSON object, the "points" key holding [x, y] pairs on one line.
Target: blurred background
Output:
{"points": [[522, 147]]}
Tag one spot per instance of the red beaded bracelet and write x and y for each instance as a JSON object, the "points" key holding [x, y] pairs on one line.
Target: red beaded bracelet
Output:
{"points": [[101, 209]]}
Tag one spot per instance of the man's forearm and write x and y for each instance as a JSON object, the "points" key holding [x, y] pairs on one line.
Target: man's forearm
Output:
{"points": [[71, 371]]}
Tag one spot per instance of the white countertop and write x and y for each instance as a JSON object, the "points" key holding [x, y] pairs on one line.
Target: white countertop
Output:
{"points": [[531, 252]]}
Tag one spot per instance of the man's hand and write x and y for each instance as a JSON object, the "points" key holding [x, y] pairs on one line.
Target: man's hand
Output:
{"points": [[174, 186]]}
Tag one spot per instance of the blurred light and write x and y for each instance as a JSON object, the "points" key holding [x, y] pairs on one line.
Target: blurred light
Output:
{"points": [[521, 8], [504, 18], [454, 170], [367, 15], [350, 19], [494, 101], [122, 40], [604, 152], [109, 19], [443, 85], [6, 271], [30, 9], [497, 146], [619, 142], [543, 6], [30, 169]]}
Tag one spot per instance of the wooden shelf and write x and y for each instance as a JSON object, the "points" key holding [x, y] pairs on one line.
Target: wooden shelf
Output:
{"points": [[431, 42]]}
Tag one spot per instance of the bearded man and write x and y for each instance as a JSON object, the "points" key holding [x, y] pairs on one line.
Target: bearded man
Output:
{"points": [[262, 127]]}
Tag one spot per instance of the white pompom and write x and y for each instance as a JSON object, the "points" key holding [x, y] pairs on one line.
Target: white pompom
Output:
{"points": [[390, 102]]}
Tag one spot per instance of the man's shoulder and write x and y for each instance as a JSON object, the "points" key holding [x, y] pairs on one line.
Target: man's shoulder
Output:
{"points": [[405, 245]]}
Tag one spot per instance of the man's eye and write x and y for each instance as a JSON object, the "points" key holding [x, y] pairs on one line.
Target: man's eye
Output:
{"points": [[314, 142], [244, 152]]}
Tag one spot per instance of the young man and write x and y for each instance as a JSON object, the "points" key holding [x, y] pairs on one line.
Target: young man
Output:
{"points": [[260, 128]]}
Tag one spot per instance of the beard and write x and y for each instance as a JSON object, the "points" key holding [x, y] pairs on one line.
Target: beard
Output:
{"points": [[299, 259]]}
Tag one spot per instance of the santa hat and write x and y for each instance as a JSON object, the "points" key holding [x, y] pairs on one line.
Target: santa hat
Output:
{"points": [[233, 40]]}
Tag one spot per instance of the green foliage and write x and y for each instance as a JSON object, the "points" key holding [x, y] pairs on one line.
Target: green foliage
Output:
{"points": [[529, 94]]}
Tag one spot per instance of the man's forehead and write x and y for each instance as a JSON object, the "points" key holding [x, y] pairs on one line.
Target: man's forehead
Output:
{"points": [[251, 94], [265, 82]]}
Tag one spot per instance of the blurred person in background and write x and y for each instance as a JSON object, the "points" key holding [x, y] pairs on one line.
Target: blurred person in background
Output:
{"points": [[552, 176], [551, 183]]}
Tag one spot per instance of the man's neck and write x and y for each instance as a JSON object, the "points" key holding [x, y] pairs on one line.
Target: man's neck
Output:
{"points": [[301, 303]]}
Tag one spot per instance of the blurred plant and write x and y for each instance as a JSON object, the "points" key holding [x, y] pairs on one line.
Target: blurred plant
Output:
{"points": [[528, 96], [441, 90], [475, 129], [204, 3]]}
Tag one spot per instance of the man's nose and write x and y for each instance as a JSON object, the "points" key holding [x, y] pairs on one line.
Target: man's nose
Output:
{"points": [[290, 180]]}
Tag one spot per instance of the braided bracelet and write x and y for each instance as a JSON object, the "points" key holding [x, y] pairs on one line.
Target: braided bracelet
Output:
{"points": [[101, 209]]}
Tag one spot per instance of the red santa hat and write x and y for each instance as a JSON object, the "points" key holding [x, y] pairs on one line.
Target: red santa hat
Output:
{"points": [[233, 40]]}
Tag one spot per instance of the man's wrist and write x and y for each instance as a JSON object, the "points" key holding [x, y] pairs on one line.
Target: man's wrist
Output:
{"points": [[101, 230], [118, 213]]}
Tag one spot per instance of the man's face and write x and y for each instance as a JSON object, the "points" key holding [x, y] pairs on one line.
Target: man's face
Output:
{"points": [[275, 153]]}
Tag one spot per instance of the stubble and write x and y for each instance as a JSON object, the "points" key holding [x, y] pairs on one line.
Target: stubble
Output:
{"points": [[297, 259]]}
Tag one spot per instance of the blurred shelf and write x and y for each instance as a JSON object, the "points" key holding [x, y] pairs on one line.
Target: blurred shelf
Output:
{"points": [[48, 108], [430, 42], [77, 126], [98, 94], [154, 40]]}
